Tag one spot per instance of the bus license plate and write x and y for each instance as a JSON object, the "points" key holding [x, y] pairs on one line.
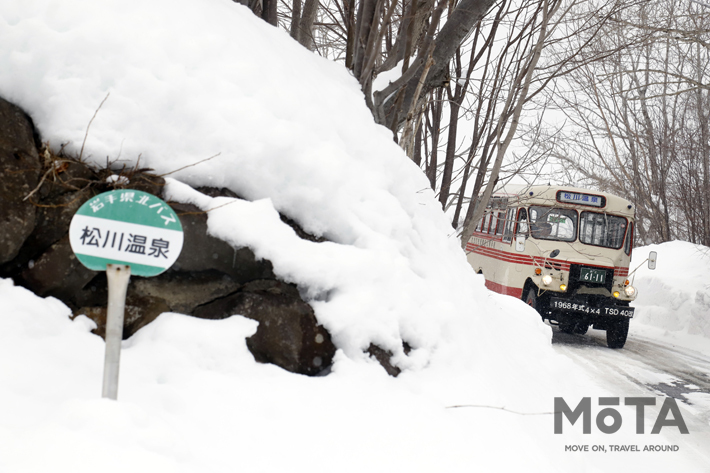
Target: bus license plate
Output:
{"points": [[592, 275], [577, 307]]}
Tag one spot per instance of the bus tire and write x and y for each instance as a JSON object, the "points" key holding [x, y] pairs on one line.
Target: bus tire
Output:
{"points": [[573, 326], [531, 299], [616, 334], [581, 328], [567, 326]]}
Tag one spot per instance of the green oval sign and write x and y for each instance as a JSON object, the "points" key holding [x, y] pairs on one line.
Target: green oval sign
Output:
{"points": [[126, 226]]}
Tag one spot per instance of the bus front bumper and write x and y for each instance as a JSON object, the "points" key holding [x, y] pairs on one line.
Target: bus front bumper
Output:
{"points": [[592, 307]]}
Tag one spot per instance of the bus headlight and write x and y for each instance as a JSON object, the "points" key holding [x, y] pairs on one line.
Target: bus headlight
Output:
{"points": [[547, 280], [616, 294], [630, 291]]}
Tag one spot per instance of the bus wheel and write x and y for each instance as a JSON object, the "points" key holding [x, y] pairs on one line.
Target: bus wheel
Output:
{"points": [[581, 328], [531, 299], [567, 327], [617, 333]]}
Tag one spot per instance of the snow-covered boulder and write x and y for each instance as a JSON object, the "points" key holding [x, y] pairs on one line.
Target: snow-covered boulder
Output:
{"points": [[211, 279]]}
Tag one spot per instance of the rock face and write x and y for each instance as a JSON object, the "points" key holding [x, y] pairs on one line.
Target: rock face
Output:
{"points": [[19, 175], [288, 335], [57, 272], [212, 280]]}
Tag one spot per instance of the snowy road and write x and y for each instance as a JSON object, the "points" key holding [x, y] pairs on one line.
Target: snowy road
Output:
{"points": [[646, 367]]}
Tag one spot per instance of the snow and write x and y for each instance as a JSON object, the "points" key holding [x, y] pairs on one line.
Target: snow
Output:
{"points": [[191, 397], [170, 84], [674, 299]]}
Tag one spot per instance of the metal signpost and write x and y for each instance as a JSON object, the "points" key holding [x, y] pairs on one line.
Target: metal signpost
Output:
{"points": [[124, 232]]}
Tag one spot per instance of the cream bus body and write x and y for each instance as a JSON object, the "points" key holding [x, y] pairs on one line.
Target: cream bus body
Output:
{"points": [[565, 251]]}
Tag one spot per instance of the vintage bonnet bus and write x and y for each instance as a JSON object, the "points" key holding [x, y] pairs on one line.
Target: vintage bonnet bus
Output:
{"points": [[563, 250]]}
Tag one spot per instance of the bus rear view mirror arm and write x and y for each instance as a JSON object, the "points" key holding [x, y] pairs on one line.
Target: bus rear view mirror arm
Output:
{"points": [[652, 259]]}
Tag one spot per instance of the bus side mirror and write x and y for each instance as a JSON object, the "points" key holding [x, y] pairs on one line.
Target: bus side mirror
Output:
{"points": [[520, 243], [652, 260]]}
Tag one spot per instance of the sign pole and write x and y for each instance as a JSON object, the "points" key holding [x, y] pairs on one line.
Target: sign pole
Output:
{"points": [[118, 276], [124, 232]]}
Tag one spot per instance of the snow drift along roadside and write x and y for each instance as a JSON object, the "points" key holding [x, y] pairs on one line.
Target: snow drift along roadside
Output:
{"points": [[674, 299]]}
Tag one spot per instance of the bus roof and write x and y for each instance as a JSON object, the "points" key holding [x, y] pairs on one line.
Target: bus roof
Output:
{"points": [[568, 196]]}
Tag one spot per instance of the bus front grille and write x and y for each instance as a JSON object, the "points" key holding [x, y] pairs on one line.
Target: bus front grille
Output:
{"points": [[575, 283]]}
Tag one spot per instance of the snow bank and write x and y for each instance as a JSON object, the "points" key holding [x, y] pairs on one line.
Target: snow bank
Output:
{"points": [[192, 398], [675, 297]]}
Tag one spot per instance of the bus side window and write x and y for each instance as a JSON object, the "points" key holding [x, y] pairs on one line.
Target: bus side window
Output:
{"points": [[509, 225], [494, 222], [501, 223]]}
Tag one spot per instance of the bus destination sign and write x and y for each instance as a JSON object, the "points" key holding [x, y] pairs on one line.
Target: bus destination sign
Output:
{"points": [[581, 199]]}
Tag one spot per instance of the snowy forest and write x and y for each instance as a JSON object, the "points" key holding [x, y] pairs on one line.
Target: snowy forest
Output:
{"points": [[607, 94]]}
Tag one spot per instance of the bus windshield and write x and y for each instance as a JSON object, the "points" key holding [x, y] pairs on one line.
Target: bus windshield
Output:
{"points": [[549, 223], [602, 230]]}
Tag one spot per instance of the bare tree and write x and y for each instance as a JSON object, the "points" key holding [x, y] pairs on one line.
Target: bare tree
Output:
{"points": [[513, 108], [463, 76], [639, 117], [427, 70]]}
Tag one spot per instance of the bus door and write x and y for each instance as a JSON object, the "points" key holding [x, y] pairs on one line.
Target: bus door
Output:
{"points": [[521, 231]]}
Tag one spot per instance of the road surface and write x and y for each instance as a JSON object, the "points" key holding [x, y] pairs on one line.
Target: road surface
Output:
{"points": [[644, 368]]}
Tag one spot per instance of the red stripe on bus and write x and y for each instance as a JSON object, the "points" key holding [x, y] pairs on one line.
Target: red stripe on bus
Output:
{"points": [[487, 236], [506, 257], [519, 259], [505, 290], [619, 271], [503, 255]]}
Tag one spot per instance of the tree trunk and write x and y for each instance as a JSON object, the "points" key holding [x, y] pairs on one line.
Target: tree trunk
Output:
{"points": [[269, 11], [459, 24], [435, 107], [450, 153], [296, 20], [310, 10], [351, 33]]}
